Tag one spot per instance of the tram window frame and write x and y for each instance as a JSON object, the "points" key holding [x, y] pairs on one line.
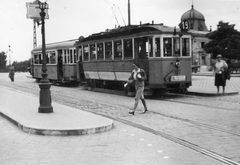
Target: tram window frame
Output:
{"points": [[118, 49], [176, 46], [108, 50], [85, 53], [52, 57], [128, 48], [169, 50], [185, 47], [157, 46], [93, 51], [100, 51]]}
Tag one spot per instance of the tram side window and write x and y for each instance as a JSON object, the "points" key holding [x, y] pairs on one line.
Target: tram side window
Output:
{"points": [[108, 50], [85, 53], [176, 46], [185, 47], [118, 49], [92, 52], [158, 47], [52, 57], [149, 46], [66, 56], [37, 59], [48, 58], [80, 53], [128, 52], [71, 56], [74, 56], [99, 51], [167, 47]]}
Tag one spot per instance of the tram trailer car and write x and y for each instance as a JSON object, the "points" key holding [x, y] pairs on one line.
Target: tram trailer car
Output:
{"points": [[163, 52], [61, 59]]}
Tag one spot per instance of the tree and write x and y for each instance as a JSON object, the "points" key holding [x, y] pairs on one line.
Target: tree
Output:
{"points": [[225, 41], [3, 61], [21, 66]]}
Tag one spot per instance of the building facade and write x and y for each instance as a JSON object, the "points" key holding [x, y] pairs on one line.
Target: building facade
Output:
{"points": [[193, 22]]}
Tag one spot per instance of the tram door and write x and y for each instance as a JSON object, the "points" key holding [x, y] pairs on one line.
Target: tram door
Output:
{"points": [[60, 65], [142, 50]]}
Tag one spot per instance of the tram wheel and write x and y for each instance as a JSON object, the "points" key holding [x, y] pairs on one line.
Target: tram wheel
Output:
{"points": [[182, 88]]}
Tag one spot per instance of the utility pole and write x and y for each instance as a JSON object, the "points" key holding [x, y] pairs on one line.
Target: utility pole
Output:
{"points": [[129, 14]]}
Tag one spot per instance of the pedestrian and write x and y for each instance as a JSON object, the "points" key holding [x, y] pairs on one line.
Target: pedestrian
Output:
{"points": [[220, 70], [138, 76], [11, 73]]}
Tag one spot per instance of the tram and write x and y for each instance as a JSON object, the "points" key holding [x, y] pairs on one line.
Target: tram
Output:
{"points": [[61, 59], [163, 52]]}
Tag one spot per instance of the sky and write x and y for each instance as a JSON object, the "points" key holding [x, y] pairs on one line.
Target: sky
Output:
{"points": [[70, 19]]}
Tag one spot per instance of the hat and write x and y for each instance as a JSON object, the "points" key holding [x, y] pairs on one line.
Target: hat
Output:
{"points": [[219, 56]]}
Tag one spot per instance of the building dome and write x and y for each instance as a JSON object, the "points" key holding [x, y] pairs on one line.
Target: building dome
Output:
{"points": [[192, 15]]}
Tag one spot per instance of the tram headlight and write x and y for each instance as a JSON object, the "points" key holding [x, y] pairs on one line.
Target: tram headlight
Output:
{"points": [[177, 64]]}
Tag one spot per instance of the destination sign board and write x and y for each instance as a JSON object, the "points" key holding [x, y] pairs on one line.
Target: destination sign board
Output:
{"points": [[33, 11]]}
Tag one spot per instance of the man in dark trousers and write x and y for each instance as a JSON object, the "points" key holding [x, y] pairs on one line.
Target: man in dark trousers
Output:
{"points": [[138, 75], [11, 73]]}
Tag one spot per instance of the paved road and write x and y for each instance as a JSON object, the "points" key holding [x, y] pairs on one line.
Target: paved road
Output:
{"points": [[126, 144]]}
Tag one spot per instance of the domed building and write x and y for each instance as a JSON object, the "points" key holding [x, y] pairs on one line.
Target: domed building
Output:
{"points": [[193, 22]]}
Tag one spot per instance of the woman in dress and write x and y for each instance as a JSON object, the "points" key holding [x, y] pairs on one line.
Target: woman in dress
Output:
{"points": [[220, 68]]}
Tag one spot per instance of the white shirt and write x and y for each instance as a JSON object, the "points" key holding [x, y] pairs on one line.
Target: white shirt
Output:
{"points": [[219, 65]]}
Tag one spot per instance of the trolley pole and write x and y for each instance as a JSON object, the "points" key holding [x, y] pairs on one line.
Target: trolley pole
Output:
{"points": [[44, 85], [129, 13]]}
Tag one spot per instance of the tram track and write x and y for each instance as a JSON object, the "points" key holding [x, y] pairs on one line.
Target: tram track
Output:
{"points": [[154, 112], [180, 141]]}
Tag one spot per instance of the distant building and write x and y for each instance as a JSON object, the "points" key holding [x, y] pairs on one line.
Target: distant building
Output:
{"points": [[193, 22]]}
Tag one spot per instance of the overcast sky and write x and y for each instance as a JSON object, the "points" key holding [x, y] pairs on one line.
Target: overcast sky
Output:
{"points": [[73, 18]]}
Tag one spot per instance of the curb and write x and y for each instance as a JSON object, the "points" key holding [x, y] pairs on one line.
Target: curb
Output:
{"points": [[59, 132], [211, 94]]}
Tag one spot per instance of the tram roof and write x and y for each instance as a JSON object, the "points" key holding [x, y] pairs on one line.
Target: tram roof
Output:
{"points": [[131, 30], [57, 45]]}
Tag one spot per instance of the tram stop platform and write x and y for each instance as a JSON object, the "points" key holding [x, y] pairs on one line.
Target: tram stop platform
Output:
{"points": [[22, 111], [200, 91]]}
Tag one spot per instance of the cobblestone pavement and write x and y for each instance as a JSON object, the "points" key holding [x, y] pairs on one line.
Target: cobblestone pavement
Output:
{"points": [[168, 116], [123, 145]]}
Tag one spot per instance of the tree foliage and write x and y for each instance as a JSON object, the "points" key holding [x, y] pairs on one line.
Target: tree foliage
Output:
{"points": [[225, 41], [3, 61], [21, 66]]}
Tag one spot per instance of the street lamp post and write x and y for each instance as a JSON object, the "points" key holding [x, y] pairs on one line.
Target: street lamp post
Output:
{"points": [[44, 85]]}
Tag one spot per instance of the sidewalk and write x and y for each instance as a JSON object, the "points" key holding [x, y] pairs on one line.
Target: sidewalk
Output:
{"points": [[207, 91], [23, 112]]}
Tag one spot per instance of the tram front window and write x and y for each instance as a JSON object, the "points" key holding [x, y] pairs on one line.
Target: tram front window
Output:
{"points": [[167, 47], [176, 45], [185, 47]]}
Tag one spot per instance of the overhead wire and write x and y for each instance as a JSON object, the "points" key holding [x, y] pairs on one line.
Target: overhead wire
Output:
{"points": [[113, 11]]}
